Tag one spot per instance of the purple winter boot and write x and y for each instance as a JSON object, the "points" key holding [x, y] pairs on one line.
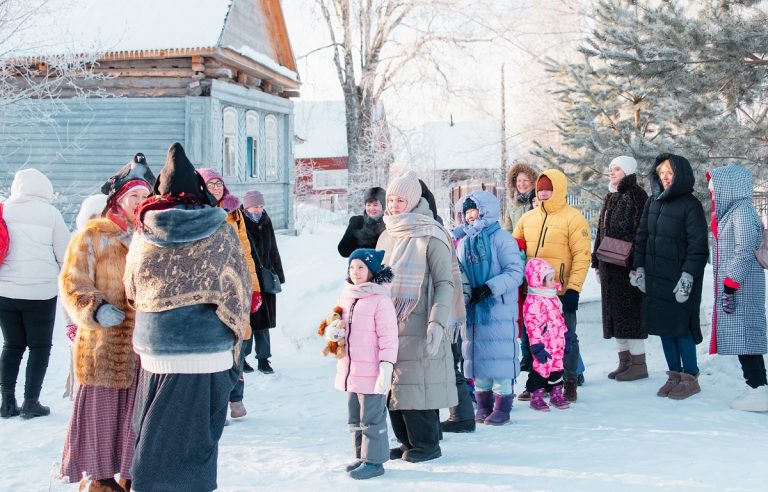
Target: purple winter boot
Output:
{"points": [[537, 400], [556, 397], [501, 408], [484, 405]]}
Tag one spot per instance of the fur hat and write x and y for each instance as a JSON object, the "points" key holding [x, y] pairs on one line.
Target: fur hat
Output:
{"points": [[136, 169], [626, 163], [375, 194], [406, 186], [253, 198], [178, 177], [517, 169]]}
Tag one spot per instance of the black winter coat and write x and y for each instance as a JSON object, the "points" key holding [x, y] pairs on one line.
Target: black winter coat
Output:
{"points": [[262, 237], [619, 219], [672, 239], [362, 232]]}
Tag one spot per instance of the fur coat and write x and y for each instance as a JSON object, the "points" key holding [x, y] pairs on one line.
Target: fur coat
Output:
{"points": [[92, 275]]}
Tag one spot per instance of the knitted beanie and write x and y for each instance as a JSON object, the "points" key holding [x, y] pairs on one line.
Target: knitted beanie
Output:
{"points": [[371, 257], [544, 183], [406, 186], [253, 198], [91, 206], [469, 204], [626, 163]]}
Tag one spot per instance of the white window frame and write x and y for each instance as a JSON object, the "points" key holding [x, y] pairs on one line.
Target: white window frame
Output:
{"points": [[271, 149], [229, 142]]}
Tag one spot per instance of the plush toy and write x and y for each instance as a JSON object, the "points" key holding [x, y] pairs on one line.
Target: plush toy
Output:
{"points": [[333, 321]]}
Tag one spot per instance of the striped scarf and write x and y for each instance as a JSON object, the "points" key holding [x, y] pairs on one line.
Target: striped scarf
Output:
{"points": [[412, 232]]}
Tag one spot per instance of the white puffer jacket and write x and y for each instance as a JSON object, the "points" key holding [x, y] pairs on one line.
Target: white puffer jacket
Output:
{"points": [[38, 239]]}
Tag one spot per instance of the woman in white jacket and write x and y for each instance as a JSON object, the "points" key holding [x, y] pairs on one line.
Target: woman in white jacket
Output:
{"points": [[28, 288]]}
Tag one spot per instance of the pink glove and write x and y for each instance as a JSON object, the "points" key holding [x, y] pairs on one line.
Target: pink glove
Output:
{"points": [[71, 331], [255, 301]]}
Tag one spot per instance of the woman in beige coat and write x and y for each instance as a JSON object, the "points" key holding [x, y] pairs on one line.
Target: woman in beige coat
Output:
{"points": [[429, 309]]}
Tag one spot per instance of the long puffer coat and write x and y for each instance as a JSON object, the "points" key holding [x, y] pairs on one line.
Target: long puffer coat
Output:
{"points": [[490, 349], [619, 219], [672, 239], [738, 231], [263, 238]]}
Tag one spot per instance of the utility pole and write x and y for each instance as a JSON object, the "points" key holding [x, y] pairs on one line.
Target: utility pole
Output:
{"points": [[504, 155]]}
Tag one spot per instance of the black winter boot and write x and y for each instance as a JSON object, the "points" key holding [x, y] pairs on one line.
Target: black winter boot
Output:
{"points": [[9, 407], [32, 408]]}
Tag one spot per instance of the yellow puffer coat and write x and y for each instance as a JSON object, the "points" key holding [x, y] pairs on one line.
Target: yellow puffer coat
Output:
{"points": [[559, 234]]}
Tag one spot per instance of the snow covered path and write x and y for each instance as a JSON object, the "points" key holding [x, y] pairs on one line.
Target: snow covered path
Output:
{"points": [[618, 436]]}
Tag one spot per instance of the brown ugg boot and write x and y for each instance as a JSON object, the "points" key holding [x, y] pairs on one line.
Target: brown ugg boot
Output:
{"points": [[637, 369], [673, 379], [105, 485], [623, 364], [125, 483], [569, 387], [688, 386]]}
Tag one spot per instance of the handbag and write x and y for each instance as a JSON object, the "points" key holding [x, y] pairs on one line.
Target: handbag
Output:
{"points": [[614, 251], [268, 280]]}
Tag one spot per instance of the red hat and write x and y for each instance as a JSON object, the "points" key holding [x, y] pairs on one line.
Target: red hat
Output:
{"points": [[134, 183], [544, 183]]}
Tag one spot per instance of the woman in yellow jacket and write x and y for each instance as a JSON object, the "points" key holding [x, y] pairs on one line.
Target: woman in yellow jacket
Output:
{"points": [[229, 202], [559, 234]]}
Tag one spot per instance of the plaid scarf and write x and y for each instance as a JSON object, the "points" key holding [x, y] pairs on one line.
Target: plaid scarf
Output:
{"points": [[412, 232]]}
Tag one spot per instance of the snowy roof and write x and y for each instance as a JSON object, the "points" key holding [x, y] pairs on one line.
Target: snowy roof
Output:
{"points": [[88, 26], [323, 127], [463, 145]]}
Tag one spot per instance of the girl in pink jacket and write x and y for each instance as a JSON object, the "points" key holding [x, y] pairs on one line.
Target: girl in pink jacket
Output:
{"points": [[547, 333], [365, 372]]}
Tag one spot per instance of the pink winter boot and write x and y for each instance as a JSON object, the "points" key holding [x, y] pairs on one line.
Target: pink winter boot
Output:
{"points": [[556, 397], [537, 400]]}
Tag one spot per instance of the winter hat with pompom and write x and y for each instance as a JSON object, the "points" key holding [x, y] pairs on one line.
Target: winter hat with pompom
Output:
{"points": [[371, 257], [406, 186]]}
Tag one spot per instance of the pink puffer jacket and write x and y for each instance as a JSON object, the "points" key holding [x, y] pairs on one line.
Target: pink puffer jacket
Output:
{"points": [[371, 336], [543, 317]]}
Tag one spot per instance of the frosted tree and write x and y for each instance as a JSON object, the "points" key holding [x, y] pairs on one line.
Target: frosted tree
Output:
{"points": [[673, 76]]}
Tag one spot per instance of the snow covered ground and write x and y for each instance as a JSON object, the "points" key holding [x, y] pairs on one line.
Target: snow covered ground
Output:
{"points": [[617, 437]]}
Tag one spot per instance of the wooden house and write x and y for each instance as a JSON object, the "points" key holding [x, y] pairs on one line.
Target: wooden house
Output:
{"points": [[216, 76]]}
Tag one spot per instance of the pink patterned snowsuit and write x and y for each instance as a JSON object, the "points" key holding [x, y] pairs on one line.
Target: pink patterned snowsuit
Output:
{"points": [[543, 317]]}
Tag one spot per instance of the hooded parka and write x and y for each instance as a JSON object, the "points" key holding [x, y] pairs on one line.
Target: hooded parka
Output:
{"points": [[559, 234], [672, 239], [737, 231]]}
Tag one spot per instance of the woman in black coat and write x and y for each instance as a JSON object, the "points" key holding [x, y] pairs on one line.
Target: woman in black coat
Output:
{"points": [[364, 230], [671, 251], [265, 253], [619, 219]]}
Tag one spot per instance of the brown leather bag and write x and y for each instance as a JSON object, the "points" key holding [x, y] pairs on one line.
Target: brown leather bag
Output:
{"points": [[614, 251]]}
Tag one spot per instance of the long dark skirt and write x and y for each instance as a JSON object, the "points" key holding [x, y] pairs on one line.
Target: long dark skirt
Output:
{"points": [[178, 421]]}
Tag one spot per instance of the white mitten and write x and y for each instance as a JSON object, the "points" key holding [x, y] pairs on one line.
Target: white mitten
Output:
{"points": [[637, 279], [434, 338], [384, 380]]}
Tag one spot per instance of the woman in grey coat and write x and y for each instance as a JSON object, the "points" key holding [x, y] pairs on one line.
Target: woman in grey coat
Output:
{"points": [[421, 255], [738, 313], [492, 261]]}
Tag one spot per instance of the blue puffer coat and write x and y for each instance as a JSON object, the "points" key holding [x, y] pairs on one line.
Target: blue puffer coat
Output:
{"points": [[738, 232], [491, 349]]}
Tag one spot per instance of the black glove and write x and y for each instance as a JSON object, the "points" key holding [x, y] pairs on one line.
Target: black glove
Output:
{"points": [[480, 293], [570, 301], [541, 354]]}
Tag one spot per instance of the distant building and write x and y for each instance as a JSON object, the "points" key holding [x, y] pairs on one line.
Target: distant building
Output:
{"points": [[215, 76], [322, 157]]}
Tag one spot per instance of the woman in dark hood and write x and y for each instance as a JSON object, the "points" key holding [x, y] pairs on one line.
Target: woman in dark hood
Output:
{"points": [[364, 230], [670, 256]]}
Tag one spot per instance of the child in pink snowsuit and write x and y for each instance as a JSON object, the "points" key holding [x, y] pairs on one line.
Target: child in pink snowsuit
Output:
{"points": [[547, 333]]}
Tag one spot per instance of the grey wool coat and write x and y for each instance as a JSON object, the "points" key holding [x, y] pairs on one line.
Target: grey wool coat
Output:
{"points": [[738, 232], [421, 382]]}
